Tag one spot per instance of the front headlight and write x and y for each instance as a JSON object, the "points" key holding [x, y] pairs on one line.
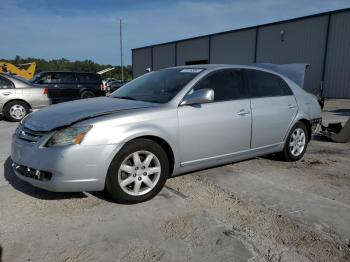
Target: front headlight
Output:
{"points": [[68, 136]]}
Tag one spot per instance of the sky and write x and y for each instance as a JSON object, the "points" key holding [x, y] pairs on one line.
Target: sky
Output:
{"points": [[89, 29]]}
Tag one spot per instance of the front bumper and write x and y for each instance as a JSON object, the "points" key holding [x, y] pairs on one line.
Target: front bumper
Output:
{"points": [[73, 168]]}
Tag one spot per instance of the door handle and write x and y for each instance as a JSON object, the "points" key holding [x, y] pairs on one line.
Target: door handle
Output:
{"points": [[291, 106], [243, 112], [6, 93], [55, 86]]}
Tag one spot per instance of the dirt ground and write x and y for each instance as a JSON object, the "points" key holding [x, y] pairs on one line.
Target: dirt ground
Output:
{"points": [[255, 210]]}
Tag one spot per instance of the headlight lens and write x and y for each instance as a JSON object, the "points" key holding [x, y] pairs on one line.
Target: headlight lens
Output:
{"points": [[68, 136]]}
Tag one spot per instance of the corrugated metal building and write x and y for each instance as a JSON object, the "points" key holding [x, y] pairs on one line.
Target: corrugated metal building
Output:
{"points": [[321, 40]]}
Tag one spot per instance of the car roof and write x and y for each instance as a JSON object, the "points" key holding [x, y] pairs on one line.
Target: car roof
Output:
{"points": [[228, 66], [214, 66]]}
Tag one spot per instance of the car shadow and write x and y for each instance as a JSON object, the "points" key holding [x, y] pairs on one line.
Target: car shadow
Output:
{"points": [[321, 138], [103, 195], [32, 191]]}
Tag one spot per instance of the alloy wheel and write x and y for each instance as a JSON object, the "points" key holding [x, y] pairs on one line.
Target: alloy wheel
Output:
{"points": [[297, 142], [139, 173]]}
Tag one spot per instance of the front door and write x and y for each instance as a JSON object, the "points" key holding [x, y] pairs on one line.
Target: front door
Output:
{"points": [[62, 86], [217, 129]]}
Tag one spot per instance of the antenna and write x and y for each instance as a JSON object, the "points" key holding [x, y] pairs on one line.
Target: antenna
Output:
{"points": [[121, 49]]}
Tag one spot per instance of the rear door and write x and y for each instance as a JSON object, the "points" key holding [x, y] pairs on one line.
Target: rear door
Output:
{"points": [[91, 82], [215, 130], [62, 86], [273, 107]]}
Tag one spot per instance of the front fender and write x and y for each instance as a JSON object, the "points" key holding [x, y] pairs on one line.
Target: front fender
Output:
{"points": [[122, 133], [147, 130]]}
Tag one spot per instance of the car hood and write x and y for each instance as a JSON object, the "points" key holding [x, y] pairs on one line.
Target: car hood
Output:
{"points": [[65, 114]]}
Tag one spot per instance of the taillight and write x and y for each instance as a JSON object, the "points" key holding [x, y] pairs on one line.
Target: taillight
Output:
{"points": [[46, 91]]}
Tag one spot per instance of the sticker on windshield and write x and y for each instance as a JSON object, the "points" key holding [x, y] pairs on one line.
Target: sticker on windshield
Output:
{"points": [[191, 70]]}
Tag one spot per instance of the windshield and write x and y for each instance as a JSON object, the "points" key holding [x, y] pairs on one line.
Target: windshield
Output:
{"points": [[158, 86]]}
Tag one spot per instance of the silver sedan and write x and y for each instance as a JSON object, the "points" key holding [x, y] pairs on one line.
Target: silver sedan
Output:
{"points": [[163, 124], [18, 97]]}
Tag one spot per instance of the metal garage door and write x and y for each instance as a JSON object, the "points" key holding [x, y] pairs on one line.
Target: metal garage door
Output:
{"points": [[301, 41], [337, 73], [141, 60], [163, 56], [193, 50], [233, 48]]}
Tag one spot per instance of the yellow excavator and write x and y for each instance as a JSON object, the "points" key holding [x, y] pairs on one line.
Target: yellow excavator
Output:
{"points": [[26, 73]]}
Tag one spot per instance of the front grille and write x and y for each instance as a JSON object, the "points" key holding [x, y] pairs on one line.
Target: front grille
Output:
{"points": [[28, 135]]}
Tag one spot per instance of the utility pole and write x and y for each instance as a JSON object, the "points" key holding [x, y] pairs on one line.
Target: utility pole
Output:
{"points": [[121, 49]]}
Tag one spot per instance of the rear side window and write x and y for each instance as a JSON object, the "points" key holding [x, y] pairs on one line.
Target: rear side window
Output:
{"points": [[227, 85], [89, 78], [264, 84], [67, 77], [5, 83]]}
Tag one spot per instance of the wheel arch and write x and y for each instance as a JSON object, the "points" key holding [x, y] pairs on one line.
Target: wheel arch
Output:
{"points": [[308, 127], [303, 119], [86, 89], [16, 99], [164, 144]]}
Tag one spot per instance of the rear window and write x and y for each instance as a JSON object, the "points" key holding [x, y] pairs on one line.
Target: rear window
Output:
{"points": [[89, 78], [264, 84]]}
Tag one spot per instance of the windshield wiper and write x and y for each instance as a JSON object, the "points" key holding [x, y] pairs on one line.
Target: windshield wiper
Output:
{"points": [[125, 97]]}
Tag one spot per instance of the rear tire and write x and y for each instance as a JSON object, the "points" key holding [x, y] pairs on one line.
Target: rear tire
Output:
{"points": [[87, 94], [296, 143], [138, 172], [15, 111]]}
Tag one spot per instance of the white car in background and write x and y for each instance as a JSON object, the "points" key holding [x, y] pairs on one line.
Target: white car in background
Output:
{"points": [[18, 97]]}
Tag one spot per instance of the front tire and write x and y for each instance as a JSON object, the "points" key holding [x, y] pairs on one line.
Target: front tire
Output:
{"points": [[138, 172], [87, 94], [15, 111], [296, 143]]}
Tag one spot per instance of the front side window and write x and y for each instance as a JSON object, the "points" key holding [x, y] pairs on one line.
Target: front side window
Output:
{"points": [[55, 78], [5, 83], [227, 85], [158, 86], [264, 84], [50, 78]]}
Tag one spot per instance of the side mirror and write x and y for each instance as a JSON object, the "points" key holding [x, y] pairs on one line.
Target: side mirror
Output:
{"points": [[200, 96]]}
